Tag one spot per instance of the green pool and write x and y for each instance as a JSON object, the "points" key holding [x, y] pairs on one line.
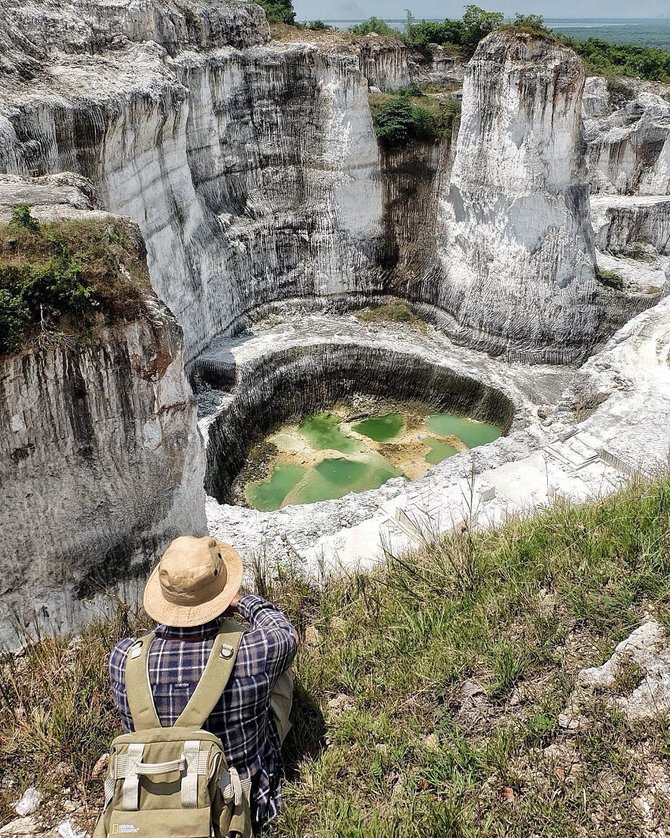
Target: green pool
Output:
{"points": [[325, 457]]}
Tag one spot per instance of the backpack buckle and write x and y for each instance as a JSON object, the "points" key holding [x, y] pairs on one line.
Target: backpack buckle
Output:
{"points": [[227, 652]]}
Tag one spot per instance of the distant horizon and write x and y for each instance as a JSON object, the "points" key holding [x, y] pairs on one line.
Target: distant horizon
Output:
{"points": [[546, 17]]}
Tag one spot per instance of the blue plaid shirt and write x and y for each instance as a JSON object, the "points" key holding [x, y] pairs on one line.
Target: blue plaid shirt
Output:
{"points": [[242, 717]]}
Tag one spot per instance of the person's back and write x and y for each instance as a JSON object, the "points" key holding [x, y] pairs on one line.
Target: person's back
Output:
{"points": [[250, 732]]}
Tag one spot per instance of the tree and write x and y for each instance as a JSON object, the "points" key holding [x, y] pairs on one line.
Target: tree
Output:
{"points": [[533, 24], [278, 11], [477, 23]]}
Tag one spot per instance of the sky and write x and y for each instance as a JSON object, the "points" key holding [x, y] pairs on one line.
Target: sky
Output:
{"points": [[355, 9]]}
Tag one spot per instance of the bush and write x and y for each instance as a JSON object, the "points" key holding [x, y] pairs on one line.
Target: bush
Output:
{"points": [[278, 11], [63, 274], [605, 59], [533, 24], [402, 117], [477, 24], [21, 217], [610, 278], [374, 25], [318, 26], [619, 93]]}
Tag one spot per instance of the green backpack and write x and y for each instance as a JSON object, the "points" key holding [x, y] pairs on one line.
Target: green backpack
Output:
{"points": [[174, 782]]}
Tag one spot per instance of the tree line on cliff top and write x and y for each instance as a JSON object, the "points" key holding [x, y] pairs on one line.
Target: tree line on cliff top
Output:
{"points": [[463, 35]]}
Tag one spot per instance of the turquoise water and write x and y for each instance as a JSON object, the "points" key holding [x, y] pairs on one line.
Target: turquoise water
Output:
{"points": [[361, 467], [381, 428], [269, 494], [469, 431], [322, 430], [335, 478], [439, 451]]}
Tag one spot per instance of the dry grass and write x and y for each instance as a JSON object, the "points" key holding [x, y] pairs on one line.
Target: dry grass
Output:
{"points": [[61, 277], [395, 311], [428, 691]]}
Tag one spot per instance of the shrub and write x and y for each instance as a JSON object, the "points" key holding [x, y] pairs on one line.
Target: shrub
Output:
{"points": [[21, 217], [477, 24], [605, 59], [610, 278], [374, 25], [318, 26], [64, 274], [619, 93], [402, 117], [533, 24], [278, 11]]}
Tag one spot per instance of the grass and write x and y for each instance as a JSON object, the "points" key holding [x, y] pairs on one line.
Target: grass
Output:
{"points": [[395, 311], [61, 278], [429, 691], [610, 278]]}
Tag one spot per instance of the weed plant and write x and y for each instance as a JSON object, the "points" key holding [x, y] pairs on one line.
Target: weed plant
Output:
{"points": [[61, 277]]}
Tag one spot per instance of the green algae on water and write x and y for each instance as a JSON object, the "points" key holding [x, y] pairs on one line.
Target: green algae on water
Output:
{"points": [[439, 450], [381, 428], [269, 494], [470, 431], [336, 477], [323, 432]]}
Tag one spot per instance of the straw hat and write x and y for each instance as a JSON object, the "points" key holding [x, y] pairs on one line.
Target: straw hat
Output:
{"points": [[194, 582]]}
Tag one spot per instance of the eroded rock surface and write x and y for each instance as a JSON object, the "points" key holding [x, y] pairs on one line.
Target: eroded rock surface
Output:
{"points": [[516, 254], [101, 463], [636, 679]]}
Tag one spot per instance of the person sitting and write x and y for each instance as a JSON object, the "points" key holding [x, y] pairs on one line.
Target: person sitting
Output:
{"points": [[196, 583]]}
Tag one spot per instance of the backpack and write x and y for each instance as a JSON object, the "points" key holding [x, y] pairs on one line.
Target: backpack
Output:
{"points": [[174, 782]]}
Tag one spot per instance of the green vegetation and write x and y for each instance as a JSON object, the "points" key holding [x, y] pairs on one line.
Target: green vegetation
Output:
{"points": [[376, 26], [610, 278], [462, 34], [57, 277], [394, 311], [318, 26], [600, 57], [619, 92], [605, 59], [386, 741], [278, 11], [399, 118]]}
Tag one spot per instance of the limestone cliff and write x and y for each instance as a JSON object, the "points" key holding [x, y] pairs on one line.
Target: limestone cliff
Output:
{"points": [[253, 173], [628, 141], [516, 259], [101, 463]]}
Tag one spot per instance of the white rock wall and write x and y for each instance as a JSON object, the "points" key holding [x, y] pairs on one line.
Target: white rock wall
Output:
{"points": [[101, 461], [516, 256], [253, 174], [629, 146]]}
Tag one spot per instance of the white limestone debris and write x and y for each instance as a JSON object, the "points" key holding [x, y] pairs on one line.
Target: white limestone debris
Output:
{"points": [[635, 680]]}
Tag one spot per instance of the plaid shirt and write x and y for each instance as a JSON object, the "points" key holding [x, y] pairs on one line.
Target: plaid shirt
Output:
{"points": [[241, 719]]}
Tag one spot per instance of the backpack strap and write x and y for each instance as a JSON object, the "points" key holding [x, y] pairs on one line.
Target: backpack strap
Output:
{"points": [[215, 677], [138, 688]]}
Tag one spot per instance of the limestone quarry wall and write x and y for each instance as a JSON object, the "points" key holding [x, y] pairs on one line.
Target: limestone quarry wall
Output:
{"points": [[253, 170], [253, 174], [101, 461]]}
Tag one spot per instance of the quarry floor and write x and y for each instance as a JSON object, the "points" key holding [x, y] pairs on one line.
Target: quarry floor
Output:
{"points": [[578, 433]]}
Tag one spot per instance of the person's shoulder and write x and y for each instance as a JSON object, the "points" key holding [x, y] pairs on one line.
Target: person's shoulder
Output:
{"points": [[120, 652]]}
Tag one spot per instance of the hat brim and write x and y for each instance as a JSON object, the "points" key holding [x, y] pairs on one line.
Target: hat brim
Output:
{"points": [[183, 616]]}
